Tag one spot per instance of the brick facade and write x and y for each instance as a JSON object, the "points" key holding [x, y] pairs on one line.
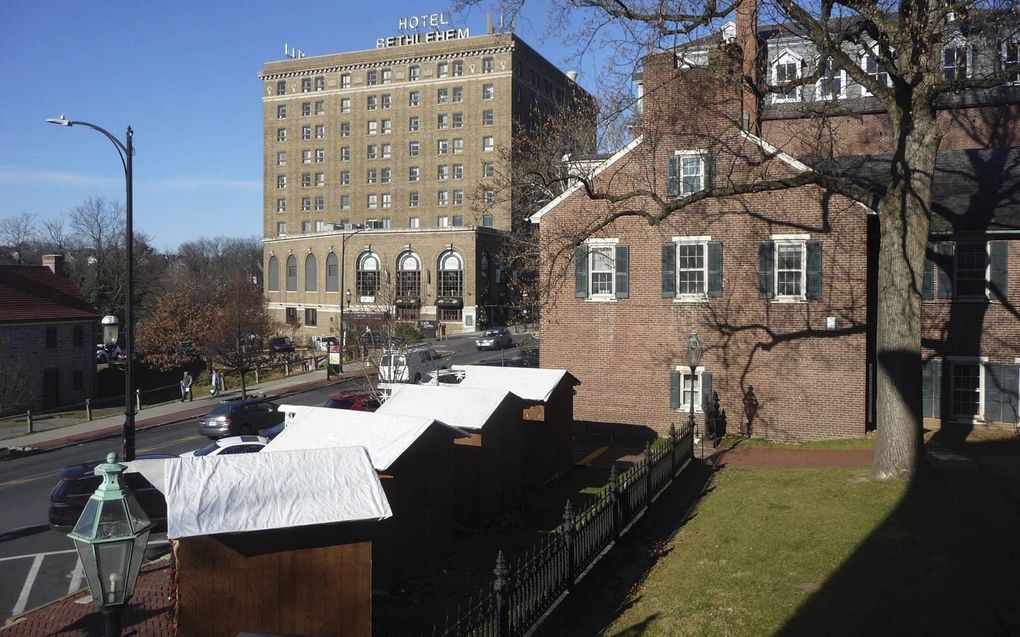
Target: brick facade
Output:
{"points": [[71, 362]]}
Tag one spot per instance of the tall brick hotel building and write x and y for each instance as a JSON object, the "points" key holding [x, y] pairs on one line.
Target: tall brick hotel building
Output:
{"points": [[781, 285], [379, 171]]}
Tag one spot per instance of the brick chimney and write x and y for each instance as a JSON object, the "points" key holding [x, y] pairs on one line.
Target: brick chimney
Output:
{"points": [[747, 40], [55, 262]]}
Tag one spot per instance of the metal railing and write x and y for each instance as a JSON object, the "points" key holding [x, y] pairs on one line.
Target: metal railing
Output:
{"points": [[522, 594]]}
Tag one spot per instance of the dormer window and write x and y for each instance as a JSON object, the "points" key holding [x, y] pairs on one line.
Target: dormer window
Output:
{"points": [[832, 82], [786, 69], [955, 60]]}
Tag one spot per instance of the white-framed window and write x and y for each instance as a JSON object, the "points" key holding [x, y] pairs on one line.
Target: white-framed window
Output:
{"points": [[320, 180], [386, 101], [458, 197], [281, 205], [488, 169], [371, 78], [458, 120], [306, 132], [458, 146], [320, 155], [874, 68], [345, 105], [791, 262], [385, 175], [345, 178], [386, 151], [488, 64], [320, 131], [306, 206], [458, 171], [345, 153], [372, 201], [1011, 59], [488, 144], [372, 151], [601, 269], [457, 94], [442, 121], [413, 124], [387, 76], [320, 205], [387, 200], [956, 60], [831, 83], [281, 134], [367, 282], [442, 146], [306, 109], [306, 180], [690, 388], [414, 98], [413, 173], [442, 95], [488, 196], [345, 202], [457, 220], [372, 102], [320, 107], [281, 87], [281, 228], [414, 223], [488, 119], [371, 176], [443, 198], [372, 127], [281, 111], [442, 69], [486, 221], [488, 91], [786, 69], [412, 200], [306, 156], [458, 68], [442, 222], [281, 181], [306, 85], [320, 83], [345, 80], [442, 172], [413, 149], [689, 172], [386, 126], [413, 72], [281, 158], [967, 388], [692, 267]]}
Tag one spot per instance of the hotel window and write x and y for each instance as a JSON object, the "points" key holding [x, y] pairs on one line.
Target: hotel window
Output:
{"points": [[371, 102], [458, 120], [414, 223], [442, 69], [442, 198], [487, 65], [488, 91], [387, 76], [408, 274], [486, 221], [281, 111], [954, 60], [457, 220], [306, 85], [458, 198], [442, 95], [371, 78], [458, 68], [487, 118], [414, 98], [413, 173], [320, 205], [412, 199], [488, 169], [488, 144], [306, 132], [332, 272], [488, 196], [386, 151], [320, 107], [413, 149], [450, 283], [345, 105], [372, 151], [345, 202], [345, 178], [601, 270], [367, 281], [385, 175], [281, 87], [291, 312], [320, 131], [281, 228], [281, 134], [281, 181], [387, 101], [345, 129], [320, 83], [1011, 59], [320, 180], [442, 121], [458, 171], [372, 176], [692, 268], [306, 180], [413, 72], [442, 222], [306, 156], [458, 145], [306, 206], [386, 127], [443, 146], [281, 205], [413, 124], [458, 94], [689, 172], [373, 127], [306, 109], [311, 314], [281, 158], [790, 268], [786, 69], [345, 80], [832, 83], [320, 155], [442, 172], [387, 200], [373, 201], [345, 153]]}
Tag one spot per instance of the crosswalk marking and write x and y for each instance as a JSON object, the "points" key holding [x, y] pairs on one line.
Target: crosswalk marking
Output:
{"points": [[37, 555], [76, 576], [19, 606]]}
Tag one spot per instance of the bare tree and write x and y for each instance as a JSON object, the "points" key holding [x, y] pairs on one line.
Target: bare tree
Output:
{"points": [[17, 234]]}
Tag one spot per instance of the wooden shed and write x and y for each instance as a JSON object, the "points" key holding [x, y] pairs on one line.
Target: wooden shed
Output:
{"points": [[487, 462], [413, 457], [274, 543], [547, 428]]}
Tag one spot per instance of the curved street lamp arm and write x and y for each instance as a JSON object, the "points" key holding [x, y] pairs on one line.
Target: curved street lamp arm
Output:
{"points": [[122, 150]]}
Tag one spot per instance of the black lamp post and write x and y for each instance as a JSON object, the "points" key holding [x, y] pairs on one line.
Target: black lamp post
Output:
{"points": [[126, 152], [694, 352], [343, 267]]}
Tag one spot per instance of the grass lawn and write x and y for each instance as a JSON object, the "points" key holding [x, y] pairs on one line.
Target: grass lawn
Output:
{"points": [[824, 552]]}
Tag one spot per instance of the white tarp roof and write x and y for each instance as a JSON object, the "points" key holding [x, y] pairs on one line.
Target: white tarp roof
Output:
{"points": [[261, 491], [385, 437], [457, 406], [527, 382]]}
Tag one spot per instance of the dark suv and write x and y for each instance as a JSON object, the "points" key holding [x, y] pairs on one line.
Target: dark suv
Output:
{"points": [[239, 417], [280, 344], [78, 482]]}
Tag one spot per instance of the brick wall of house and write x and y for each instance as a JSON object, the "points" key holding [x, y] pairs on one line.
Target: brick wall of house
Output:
{"points": [[25, 349]]}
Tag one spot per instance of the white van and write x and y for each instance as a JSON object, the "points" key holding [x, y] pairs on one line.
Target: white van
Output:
{"points": [[410, 366]]}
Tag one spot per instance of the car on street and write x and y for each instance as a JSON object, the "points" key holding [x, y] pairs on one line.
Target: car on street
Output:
{"points": [[78, 482], [322, 343], [231, 445], [239, 417], [355, 401], [409, 366], [495, 338], [280, 345]]}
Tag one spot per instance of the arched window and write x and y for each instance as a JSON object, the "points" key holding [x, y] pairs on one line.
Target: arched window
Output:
{"points": [[311, 273], [368, 275], [409, 275], [291, 274], [450, 286], [274, 274], [332, 273]]}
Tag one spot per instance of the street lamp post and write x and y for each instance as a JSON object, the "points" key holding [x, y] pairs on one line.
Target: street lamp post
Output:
{"points": [[694, 352], [126, 152], [343, 269]]}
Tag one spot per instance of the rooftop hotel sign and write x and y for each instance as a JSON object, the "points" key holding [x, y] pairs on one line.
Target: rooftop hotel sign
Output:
{"points": [[418, 29]]}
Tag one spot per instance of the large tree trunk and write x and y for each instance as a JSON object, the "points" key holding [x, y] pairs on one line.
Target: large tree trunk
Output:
{"points": [[905, 220]]}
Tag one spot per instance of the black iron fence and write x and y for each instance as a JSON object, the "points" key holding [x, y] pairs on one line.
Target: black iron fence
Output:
{"points": [[522, 593]]}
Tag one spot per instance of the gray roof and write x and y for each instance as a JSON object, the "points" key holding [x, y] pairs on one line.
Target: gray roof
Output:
{"points": [[976, 191]]}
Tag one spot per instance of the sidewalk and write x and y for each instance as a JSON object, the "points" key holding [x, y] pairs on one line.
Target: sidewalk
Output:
{"points": [[166, 413]]}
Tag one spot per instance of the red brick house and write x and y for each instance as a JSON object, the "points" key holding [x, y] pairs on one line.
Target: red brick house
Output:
{"points": [[780, 285]]}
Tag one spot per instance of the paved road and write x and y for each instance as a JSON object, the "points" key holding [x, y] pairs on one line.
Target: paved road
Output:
{"points": [[40, 565]]}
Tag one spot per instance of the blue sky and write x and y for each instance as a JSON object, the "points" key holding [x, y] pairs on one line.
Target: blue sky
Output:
{"points": [[184, 75]]}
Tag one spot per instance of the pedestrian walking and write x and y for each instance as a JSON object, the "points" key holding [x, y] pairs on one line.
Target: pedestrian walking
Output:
{"points": [[214, 382], [186, 387]]}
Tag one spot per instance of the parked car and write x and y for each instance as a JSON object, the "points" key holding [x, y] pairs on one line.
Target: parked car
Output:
{"points": [[495, 338], [280, 344], [234, 444], [239, 417], [78, 482], [322, 343], [355, 401], [399, 366]]}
